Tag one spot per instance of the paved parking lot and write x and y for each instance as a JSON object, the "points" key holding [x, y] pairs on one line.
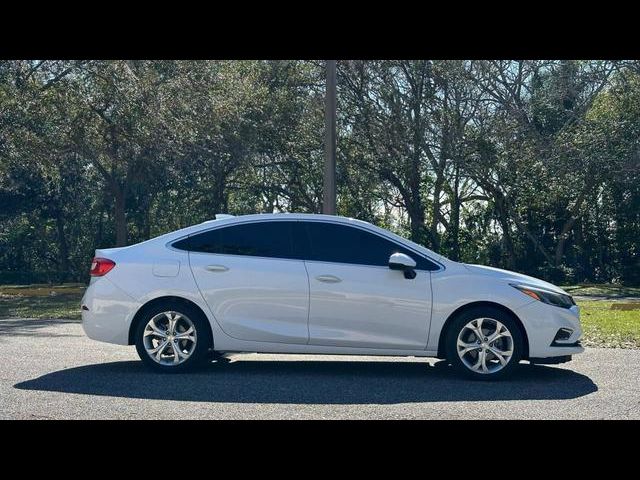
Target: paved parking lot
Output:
{"points": [[49, 369]]}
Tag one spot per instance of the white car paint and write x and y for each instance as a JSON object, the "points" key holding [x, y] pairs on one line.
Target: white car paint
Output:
{"points": [[371, 306], [257, 304], [254, 298]]}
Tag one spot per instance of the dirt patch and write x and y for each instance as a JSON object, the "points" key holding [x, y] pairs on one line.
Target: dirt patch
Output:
{"points": [[625, 306]]}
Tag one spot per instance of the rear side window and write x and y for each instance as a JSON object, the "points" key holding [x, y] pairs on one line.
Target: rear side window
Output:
{"points": [[331, 242], [260, 239]]}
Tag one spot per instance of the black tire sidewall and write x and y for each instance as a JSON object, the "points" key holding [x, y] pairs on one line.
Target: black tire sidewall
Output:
{"points": [[487, 312], [201, 353]]}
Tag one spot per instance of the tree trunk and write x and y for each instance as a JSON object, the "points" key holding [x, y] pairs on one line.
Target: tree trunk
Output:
{"points": [[454, 221], [507, 241], [435, 220], [415, 207], [562, 242], [568, 225], [217, 199], [63, 249], [120, 217], [145, 223], [584, 257], [100, 227], [416, 221]]}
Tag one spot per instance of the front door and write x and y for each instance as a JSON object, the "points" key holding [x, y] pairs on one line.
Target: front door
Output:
{"points": [[355, 299]]}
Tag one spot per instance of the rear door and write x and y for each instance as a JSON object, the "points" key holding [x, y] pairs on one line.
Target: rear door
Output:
{"points": [[252, 281], [355, 299]]}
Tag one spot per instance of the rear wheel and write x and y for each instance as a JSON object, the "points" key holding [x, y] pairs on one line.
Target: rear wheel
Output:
{"points": [[173, 337], [485, 344]]}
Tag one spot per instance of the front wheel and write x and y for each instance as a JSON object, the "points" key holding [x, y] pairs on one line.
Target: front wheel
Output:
{"points": [[172, 338], [485, 344]]}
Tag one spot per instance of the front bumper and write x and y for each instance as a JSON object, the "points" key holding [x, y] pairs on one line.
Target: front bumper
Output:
{"points": [[107, 312], [542, 323]]}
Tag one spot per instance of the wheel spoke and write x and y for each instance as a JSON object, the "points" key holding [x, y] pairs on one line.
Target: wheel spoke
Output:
{"points": [[502, 353], [477, 328], [499, 356], [464, 348], [155, 331], [499, 333], [176, 319], [186, 335], [481, 363], [484, 361], [157, 352], [172, 322], [177, 354], [498, 337], [160, 347]]}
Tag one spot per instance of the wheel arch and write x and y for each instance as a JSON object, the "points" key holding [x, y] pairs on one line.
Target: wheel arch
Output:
{"points": [[139, 316], [469, 306]]}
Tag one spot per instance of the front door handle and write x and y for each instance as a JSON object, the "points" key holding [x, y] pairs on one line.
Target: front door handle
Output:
{"points": [[217, 268], [328, 279]]}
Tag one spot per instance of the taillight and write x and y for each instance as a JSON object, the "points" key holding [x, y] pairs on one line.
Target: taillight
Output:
{"points": [[101, 266]]}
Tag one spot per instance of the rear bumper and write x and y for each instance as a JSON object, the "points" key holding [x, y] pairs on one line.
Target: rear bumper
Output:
{"points": [[542, 323], [107, 312]]}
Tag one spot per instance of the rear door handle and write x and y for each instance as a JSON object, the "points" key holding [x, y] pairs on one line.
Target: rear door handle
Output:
{"points": [[328, 279], [217, 268]]}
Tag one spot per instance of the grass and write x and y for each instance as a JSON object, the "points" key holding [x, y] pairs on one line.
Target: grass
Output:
{"points": [[41, 301], [606, 323], [610, 324]]}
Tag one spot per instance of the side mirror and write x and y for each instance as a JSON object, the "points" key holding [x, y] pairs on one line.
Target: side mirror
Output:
{"points": [[400, 261]]}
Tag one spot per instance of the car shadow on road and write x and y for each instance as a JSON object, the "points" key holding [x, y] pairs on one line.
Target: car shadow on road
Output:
{"points": [[33, 327], [312, 382]]}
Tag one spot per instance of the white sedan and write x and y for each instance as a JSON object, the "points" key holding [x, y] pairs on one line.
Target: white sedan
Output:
{"points": [[300, 283]]}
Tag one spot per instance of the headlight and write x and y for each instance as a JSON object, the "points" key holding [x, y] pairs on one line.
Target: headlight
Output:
{"points": [[545, 296]]}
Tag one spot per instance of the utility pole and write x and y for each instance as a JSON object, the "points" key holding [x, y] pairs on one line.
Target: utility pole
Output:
{"points": [[329, 189]]}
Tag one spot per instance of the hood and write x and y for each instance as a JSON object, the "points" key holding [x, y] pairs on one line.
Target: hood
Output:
{"points": [[513, 277]]}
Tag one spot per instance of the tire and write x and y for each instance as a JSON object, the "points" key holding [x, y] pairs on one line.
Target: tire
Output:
{"points": [[191, 335], [466, 355]]}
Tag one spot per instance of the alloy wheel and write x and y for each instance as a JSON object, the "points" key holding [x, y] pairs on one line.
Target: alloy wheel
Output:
{"points": [[170, 338], [485, 345]]}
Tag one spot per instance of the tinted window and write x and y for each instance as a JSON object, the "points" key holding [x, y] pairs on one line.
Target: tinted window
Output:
{"points": [[260, 239], [343, 244]]}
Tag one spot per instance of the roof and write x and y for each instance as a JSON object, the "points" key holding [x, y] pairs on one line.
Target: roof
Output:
{"points": [[230, 220]]}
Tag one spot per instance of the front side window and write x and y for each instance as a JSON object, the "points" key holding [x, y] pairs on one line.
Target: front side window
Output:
{"points": [[259, 239], [330, 242]]}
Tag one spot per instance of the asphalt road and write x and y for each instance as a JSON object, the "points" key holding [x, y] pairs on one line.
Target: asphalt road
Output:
{"points": [[49, 369]]}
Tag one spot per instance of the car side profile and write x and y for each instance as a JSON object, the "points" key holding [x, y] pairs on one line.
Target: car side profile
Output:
{"points": [[319, 284]]}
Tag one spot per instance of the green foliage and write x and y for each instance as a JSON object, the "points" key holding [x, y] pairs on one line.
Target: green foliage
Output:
{"points": [[528, 165]]}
